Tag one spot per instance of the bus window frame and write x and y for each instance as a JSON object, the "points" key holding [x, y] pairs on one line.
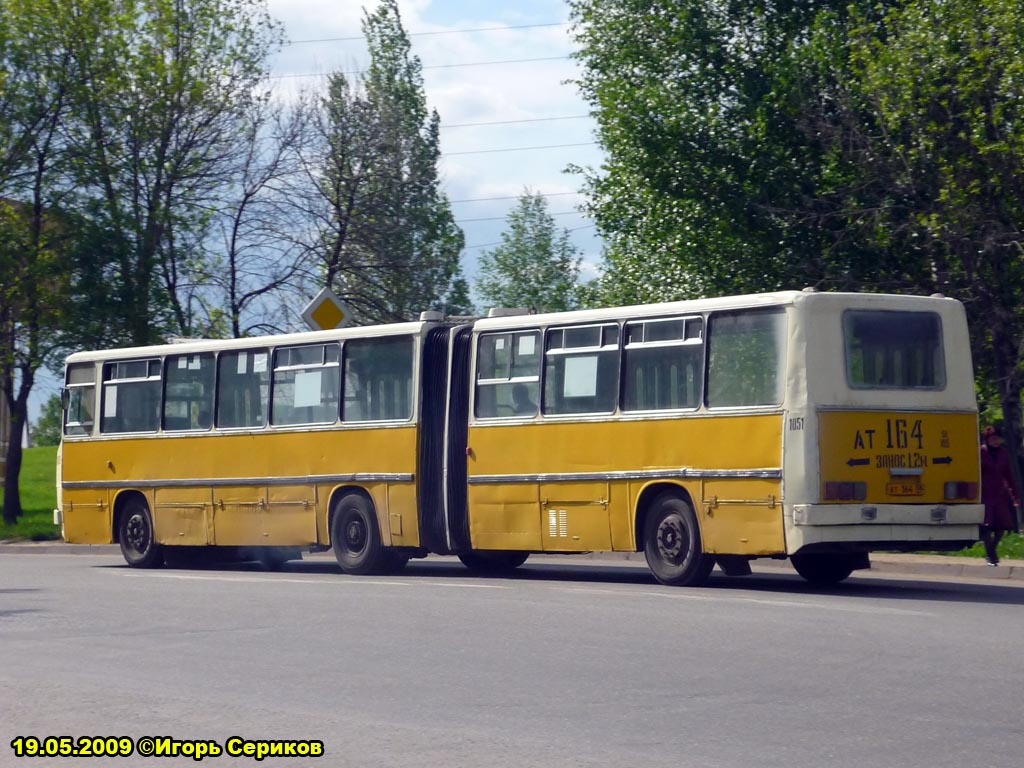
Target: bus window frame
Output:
{"points": [[163, 395], [68, 387], [414, 383], [783, 368], [514, 333], [274, 368], [641, 413], [563, 351], [104, 383], [269, 349]]}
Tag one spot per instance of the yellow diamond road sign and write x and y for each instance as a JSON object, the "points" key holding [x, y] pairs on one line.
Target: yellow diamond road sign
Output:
{"points": [[325, 312]]}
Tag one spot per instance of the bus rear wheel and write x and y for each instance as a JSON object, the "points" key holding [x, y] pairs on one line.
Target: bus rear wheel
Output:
{"points": [[493, 561], [356, 538], [136, 536], [824, 569], [672, 544]]}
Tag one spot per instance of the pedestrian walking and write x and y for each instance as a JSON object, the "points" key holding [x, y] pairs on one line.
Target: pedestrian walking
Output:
{"points": [[999, 492]]}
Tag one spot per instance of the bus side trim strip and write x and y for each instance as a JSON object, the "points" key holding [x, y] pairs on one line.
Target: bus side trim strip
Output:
{"points": [[360, 477], [640, 474]]}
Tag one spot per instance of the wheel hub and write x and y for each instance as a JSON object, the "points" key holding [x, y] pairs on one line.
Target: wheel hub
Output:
{"points": [[355, 534], [136, 530], [672, 540]]}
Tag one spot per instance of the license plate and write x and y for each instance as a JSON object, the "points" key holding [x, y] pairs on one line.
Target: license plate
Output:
{"points": [[904, 489]]}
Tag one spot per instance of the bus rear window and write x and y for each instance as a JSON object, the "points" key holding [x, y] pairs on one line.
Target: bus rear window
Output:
{"points": [[894, 350]]}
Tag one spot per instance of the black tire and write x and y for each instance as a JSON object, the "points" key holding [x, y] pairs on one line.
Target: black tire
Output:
{"points": [[824, 569], [355, 537], [136, 536], [493, 561], [672, 543]]}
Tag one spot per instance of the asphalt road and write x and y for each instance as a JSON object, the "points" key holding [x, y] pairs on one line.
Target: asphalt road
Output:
{"points": [[588, 664]]}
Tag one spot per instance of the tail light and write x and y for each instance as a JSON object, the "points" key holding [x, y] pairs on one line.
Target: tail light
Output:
{"points": [[958, 489], [842, 491]]}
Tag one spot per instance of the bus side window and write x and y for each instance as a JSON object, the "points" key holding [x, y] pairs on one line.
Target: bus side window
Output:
{"points": [[508, 374], [306, 385], [81, 388], [243, 388], [188, 391], [746, 359], [377, 376], [581, 370], [131, 396], [664, 364]]}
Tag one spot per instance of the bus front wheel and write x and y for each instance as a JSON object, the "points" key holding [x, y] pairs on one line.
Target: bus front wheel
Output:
{"points": [[135, 534], [824, 569], [356, 537], [672, 544]]}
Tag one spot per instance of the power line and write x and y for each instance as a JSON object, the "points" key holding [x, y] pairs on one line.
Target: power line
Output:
{"points": [[502, 218], [517, 149], [511, 122], [501, 242], [513, 197], [429, 66], [440, 32]]}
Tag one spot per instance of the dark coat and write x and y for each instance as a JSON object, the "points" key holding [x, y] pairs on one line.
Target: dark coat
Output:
{"points": [[998, 489]]}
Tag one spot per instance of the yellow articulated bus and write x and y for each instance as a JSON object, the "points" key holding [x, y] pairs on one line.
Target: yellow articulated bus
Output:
{"points": [[814, 426]]}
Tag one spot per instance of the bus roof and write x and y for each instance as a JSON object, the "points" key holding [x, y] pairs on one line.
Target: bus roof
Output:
{"points": [[699, 306], [286, 339]]}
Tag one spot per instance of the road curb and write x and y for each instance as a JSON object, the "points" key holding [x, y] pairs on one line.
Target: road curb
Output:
{"points": [[922, 565]]}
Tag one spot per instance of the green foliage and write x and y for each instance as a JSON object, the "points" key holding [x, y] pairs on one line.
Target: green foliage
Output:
{"points": [[158, 111], [389, 245], [535, 266], [48, 427], [716, 181], [1011, 547], [867, 145], [39, 497]]}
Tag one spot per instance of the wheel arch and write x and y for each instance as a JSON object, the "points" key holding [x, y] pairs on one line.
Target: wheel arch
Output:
{"points": [[645, 500], [120, 501], [344, 490]]}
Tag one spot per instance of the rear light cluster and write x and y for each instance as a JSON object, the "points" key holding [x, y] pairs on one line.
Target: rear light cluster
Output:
{"points": [[956, 489], [835, 491]]}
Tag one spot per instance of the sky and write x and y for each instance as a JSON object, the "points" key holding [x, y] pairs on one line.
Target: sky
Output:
{"points": [[529, 94], [504, 126]]}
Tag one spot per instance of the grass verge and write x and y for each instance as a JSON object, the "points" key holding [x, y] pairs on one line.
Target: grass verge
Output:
{"points": [[1010, 548], [38, 497]]}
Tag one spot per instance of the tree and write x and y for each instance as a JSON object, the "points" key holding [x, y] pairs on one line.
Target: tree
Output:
{"points": [[865, 146], [163, 91], [945, 87], [383, 231], [535, 266], [712, 184], [35, 236], [49, 425], [262, 257]]}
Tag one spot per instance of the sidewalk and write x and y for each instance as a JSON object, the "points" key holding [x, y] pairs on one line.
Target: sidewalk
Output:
{"points": [[881, 563]]}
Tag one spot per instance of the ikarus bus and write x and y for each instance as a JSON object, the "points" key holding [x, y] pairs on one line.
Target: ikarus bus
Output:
{"points": [[813, 426]]}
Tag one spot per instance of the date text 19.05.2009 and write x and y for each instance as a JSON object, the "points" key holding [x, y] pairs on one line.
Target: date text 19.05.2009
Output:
{"points": [[163, 746]]}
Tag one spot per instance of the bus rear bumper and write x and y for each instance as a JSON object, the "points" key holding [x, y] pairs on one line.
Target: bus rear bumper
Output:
{"points": [[938, 515], [882, 526]]}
